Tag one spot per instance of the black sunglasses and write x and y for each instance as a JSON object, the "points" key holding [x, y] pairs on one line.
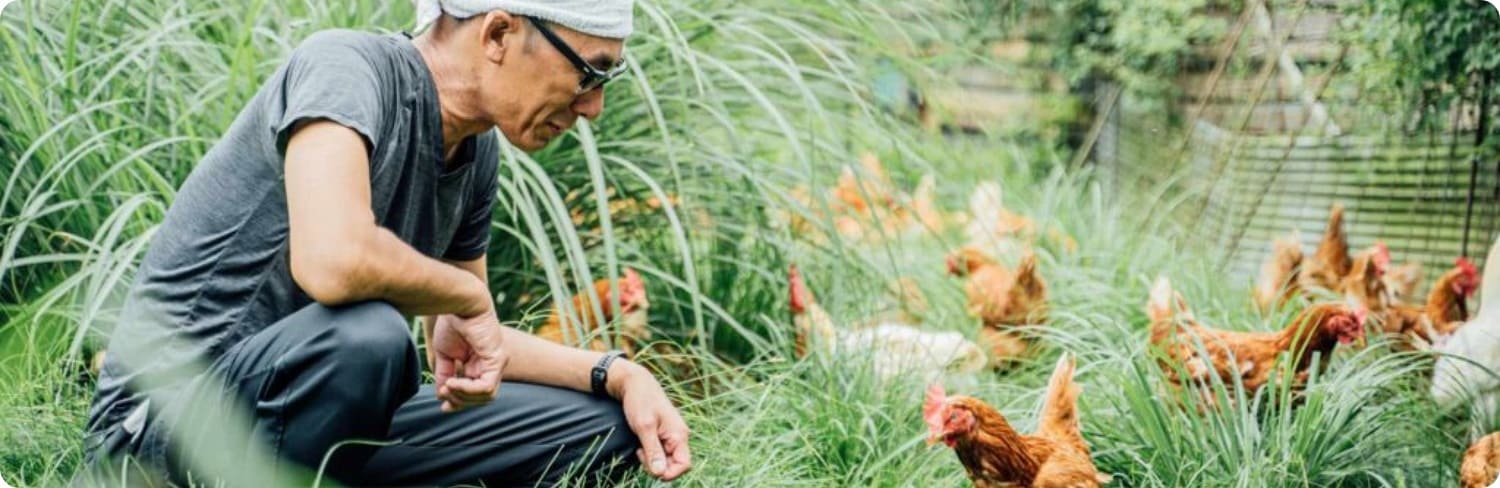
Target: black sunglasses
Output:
{"points": [[592, 77]]}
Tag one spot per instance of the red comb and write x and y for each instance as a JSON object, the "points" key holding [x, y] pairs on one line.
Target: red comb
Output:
{"points": [[952, 262], [1382, 256], [797, 295], [1466, 265], [933, 410]]}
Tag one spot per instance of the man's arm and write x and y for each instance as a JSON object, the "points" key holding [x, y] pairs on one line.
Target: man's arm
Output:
{"points": [[536, 360], [339, 254], [663, 434]]}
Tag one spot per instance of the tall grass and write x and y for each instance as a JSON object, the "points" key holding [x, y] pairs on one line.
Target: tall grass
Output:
{"points": [[109, 104]]}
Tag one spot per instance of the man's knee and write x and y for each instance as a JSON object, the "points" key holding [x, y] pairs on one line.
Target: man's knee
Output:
{"points": [[372, 329], [366, 343]]}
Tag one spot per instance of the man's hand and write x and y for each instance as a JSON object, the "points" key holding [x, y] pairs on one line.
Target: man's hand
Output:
{"points": [[470, 357], [663, 434]]}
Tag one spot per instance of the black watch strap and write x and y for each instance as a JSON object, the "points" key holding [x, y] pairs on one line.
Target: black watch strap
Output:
{"points": [[599, 376]]}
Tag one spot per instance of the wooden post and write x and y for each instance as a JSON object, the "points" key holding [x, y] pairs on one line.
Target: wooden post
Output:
{"points": [[1484, 112]]}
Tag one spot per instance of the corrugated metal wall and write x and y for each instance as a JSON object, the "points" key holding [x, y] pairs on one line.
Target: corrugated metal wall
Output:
{"points": [[1262, 170], [1413, 195]]}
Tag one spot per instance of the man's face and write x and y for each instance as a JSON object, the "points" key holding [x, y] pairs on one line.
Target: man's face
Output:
{"points": [[533, 94]]}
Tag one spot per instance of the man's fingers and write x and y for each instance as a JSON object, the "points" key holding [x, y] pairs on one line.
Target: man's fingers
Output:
{"points": [[442, 370], [681, 458], [656, 460], [472, 389]]}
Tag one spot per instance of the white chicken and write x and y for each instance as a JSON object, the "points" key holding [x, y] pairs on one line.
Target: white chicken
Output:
{"points": [[995, 228], [893, 349], [1468, 366]]}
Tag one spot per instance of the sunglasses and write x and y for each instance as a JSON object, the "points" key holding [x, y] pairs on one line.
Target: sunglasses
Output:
{"points": [[593, 78]]}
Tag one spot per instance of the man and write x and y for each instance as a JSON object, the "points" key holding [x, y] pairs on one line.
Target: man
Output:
{"points": [[353, 191]]}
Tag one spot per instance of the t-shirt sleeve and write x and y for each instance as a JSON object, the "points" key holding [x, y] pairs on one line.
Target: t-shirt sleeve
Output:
{"points": [[329, 76], [473, 236]]}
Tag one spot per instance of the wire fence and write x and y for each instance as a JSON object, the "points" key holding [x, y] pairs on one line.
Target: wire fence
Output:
{"points": [[1273, 132]]}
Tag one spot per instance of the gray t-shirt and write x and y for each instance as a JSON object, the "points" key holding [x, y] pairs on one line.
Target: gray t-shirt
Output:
{"points": [[216, 271]]}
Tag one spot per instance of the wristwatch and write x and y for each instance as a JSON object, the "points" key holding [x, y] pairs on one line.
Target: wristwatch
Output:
{"points": [[599, 376]]}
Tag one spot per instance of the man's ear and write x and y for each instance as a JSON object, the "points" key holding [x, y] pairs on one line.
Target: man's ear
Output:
{"points": [[500, 34]]}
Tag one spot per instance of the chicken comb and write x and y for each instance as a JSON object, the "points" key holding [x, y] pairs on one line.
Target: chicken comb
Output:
{"points": [[630, 280], [632, 288], [798, 295], [1382, 256], [1463, 263], [933, 411]]}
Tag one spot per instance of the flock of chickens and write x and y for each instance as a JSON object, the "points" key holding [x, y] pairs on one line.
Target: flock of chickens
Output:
{"points": [[1339, 297]]}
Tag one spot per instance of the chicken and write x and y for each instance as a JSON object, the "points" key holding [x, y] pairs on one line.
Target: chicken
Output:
{"points": [[1481, 464], [1004, 300], [812, 326], [1278, 276], [894, 349], [1465, 372], [1249, 356], [1330, 262], [1445, 311], [995, 455], [861, 193], [629, 325], [1401, 282], [1365, 281], [865, 204], [1000, 296], [1447, 303], [866, 207], [928, 217], [994, 227]]}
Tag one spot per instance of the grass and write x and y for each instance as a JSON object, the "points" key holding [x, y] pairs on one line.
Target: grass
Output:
{"points": [[727, 107]]}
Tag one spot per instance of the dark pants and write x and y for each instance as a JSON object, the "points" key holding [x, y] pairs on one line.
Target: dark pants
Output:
{"points": [[323, 376]]}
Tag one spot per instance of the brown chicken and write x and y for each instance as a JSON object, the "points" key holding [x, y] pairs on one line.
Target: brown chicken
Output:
{"points": [[1278, 276], [1481, 464], [630, 329], [1445, 311], [927, 215], [1330, 262], [1248, 356], [1004, 300], [1365, 282], [1401, 282], [995, 455], [863, 192]]}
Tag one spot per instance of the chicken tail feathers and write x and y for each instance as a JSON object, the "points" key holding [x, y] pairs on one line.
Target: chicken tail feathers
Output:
{"points": [[1335, 229], [1164, 303], [1059, 415]]}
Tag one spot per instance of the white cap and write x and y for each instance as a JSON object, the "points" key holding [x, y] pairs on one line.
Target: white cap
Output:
{"points": [[602, 18]]}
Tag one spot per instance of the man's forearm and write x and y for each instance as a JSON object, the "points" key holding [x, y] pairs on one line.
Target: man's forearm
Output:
{"points": [[536, 360], [391, 270]]}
